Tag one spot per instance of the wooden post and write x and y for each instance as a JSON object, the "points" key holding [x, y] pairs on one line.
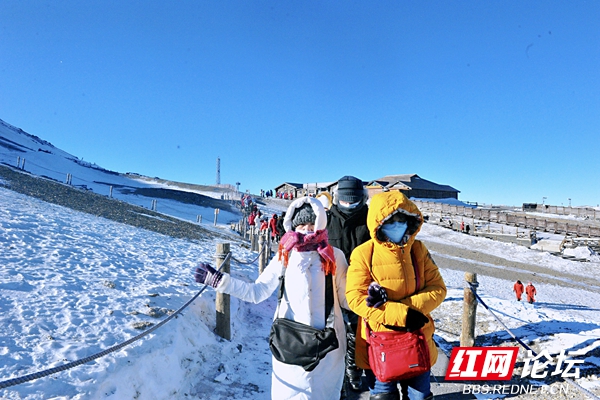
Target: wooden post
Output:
{"points": [[223, 327], [253, 239], [262, 248], [110, 192], [467, 337], [18, 162], [216, 213]]}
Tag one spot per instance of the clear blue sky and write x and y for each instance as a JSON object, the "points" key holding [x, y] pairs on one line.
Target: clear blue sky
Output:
{"points": [[499, 99]]}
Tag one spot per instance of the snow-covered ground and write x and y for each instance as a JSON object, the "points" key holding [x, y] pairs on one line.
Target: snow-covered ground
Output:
{"points": [[72, 285]]}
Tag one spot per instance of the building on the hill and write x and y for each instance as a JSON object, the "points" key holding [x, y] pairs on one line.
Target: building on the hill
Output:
{"points": [[412, 185], [289, 189]]}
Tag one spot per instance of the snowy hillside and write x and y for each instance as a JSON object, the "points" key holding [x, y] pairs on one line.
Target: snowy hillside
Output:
{"points": [[34, 155]]}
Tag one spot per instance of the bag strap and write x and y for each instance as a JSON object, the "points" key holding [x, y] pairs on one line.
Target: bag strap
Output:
{"points": [[417, 284], [328, 297], [414, 263]]}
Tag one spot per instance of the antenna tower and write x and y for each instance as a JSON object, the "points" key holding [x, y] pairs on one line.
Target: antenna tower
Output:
{"points": [[218, 171]]}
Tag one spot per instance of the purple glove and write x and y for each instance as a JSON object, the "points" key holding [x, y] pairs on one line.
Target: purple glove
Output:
{"points": [[377, 295], [208, 275]]}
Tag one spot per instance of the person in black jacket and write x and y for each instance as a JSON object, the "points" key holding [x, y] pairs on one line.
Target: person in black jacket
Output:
{"points": [[280, 228], [347, 228]]}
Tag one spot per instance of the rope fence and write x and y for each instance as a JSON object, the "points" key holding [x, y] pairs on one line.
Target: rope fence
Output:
{"points": [[262, 250], [51, 371], [473, 288]]}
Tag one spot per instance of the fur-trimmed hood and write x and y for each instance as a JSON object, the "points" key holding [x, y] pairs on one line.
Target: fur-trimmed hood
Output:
{"points": [[385, 204], [317, 207]]}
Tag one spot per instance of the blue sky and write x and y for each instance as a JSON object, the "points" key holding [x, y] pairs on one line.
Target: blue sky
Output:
{"points": [[500, 100]]}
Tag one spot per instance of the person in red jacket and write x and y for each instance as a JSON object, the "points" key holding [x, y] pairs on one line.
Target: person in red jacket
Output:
{"points": [[273, 227], [263, 224], [251, 218], [530, 292], [518, 288]]}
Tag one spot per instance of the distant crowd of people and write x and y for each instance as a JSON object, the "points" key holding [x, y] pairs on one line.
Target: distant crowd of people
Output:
{"points": [[277, 195]]}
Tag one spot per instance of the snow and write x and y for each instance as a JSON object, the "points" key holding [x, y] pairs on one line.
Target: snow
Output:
{"points": [[72, 285]]}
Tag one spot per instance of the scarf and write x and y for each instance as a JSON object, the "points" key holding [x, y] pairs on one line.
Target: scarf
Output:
{"points": [[300, 242]]}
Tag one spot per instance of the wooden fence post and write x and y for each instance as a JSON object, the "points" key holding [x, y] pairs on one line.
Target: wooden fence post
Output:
{"points": [[262, 248], [223, 327], [253, 242], [467, 337]]}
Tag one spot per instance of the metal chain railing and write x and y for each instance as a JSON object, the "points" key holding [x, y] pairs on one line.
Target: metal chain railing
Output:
{"points": [[523, 344], [41, 374]]}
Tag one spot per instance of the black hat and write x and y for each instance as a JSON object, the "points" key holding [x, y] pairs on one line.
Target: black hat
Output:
{"points": [[303, 215], [350, 189]]}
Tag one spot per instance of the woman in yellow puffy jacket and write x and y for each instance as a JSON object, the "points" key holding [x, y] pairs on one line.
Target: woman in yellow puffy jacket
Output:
{"points": [[381, 286]]}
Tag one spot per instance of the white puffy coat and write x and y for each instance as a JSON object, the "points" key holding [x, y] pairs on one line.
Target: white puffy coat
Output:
{"points": [[303, 301]]}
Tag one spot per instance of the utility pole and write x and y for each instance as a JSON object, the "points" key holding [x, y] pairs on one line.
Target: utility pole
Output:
{"points": [[218, 171]]}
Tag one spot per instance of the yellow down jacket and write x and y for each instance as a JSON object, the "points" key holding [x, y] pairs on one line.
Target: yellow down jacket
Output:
{"points": [[391, 266]]}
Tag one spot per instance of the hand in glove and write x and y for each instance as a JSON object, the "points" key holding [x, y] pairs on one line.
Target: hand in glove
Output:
{"points": [[208, 275], [415, 320], [377, 296]]}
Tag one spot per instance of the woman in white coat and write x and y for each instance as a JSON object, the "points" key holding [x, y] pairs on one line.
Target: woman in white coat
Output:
{"points": [[305, 257]]}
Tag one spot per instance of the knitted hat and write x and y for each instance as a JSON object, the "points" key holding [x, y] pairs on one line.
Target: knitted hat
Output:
{"points": [[350, 189], [303, 215]]}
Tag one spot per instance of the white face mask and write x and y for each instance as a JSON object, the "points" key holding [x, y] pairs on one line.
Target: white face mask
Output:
{"points": [[347, 205], [305, 229], [394, 231]]}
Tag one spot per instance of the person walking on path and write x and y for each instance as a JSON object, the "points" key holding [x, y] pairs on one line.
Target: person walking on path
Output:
{"points": [[273, 227], [530, 292], [304, 261], [280, 228], [347, 228], [518, 288], [382, 287]]}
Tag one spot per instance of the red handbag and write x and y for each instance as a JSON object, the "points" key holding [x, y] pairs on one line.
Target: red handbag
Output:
{"points": [[398, 355]]}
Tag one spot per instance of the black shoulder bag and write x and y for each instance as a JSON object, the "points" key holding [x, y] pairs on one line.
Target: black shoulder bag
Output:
{"points": [[299, 344]]}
